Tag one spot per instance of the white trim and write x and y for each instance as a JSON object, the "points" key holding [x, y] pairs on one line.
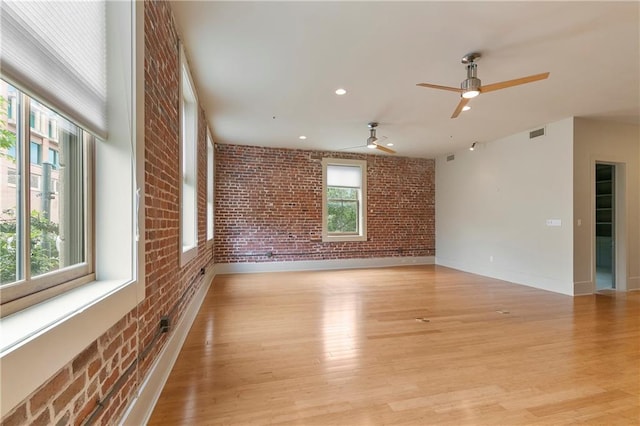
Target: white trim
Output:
{"points": [[62, 336], [633, 284], [141, 408], [321, 265], [584, 288], [362, 235], [210, 189], [188, 155]]}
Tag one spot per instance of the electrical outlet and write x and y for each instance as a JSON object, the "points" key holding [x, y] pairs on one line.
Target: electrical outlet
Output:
{"points": [[164, 324]]}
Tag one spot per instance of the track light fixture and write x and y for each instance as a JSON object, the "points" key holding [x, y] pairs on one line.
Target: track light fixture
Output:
{"points": [[473, 146]]}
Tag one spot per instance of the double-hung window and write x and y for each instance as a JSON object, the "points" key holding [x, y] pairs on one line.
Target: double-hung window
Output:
{"points": [[53, 97], [210, 187], [44, 234], [344, 206], [188, 164]]}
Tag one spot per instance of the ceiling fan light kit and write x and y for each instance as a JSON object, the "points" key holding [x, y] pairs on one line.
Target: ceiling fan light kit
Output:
{"points": [[472, 86], [371, 140]]}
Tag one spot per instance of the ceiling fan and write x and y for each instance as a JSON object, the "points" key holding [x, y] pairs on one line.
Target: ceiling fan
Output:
{"points": [[372, 140], [472, 87]]}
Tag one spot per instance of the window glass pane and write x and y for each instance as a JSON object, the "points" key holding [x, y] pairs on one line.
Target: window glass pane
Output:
{"points": [[36, 153], [10, 192], [57, 214], [210, 188], [189, 184], [342, 216], [54, 157]]}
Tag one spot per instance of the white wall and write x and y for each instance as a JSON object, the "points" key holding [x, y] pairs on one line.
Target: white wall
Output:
{"points": [[492, 206], [617, 143]]}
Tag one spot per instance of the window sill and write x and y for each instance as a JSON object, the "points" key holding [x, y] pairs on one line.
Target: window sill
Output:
{"points": [[341, 238], [60, 328]]}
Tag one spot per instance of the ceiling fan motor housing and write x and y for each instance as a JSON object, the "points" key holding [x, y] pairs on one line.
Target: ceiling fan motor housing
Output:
{"points": [[471, 83]]}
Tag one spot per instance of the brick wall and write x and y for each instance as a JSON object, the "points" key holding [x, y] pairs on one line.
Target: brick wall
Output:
{"points": [[270, 200], [109, 365]]}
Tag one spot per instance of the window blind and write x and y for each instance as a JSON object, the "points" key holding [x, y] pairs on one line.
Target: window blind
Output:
{"points": [[56, 52], [346, 176]]}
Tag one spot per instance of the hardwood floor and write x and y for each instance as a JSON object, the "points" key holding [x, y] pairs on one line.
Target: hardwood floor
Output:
{"points": [[346, 348]]}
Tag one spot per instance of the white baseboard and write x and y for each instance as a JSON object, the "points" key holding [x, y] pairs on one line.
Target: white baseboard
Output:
{"points": [[633, 284], [320, 265], [140, 409], [583, 288]]}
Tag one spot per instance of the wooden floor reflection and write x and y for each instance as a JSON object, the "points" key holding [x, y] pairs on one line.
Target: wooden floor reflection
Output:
{"points": [[409, 345]]}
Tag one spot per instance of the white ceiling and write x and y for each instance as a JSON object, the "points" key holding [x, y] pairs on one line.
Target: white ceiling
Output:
{"points": [[266, 72]]}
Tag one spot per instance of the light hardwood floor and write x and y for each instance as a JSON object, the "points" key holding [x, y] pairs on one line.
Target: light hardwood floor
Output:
{"points": [[345, 348]]}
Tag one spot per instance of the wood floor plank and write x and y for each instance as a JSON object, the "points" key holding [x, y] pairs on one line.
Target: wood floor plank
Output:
{"points": [[345, 348]]}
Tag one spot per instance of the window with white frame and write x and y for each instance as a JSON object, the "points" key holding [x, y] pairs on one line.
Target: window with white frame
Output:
{"points": [[188, 164], [44, 236], [210, 187], [344, 204], [53, 94]]}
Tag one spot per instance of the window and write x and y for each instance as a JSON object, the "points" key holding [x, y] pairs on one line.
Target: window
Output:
{"points": [[118, 284], [44, 237], [54, 158], [11, 151], [344, 204], [34, 182], [53, 130], [35, 155], [11, 177], [210, 187], [11, 108], [189, 136]]}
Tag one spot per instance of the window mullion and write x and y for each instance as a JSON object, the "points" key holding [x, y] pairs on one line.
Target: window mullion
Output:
{"points": [[23, 217]]}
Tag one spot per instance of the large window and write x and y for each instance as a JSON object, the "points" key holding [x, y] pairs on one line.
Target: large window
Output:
{"points": [[188, 165], [344, 200], [210, 187], [43, 232]]}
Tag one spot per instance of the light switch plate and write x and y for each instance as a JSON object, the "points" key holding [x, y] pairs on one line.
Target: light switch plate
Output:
{"points": [[554, 222]]}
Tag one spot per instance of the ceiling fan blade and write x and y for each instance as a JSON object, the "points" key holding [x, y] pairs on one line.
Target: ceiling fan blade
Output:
{"points": [[461, 104], [435, 86], [511, 83], [385, 149]]}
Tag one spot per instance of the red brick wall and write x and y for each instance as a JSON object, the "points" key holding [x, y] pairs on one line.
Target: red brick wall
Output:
{"points": [[270, 200], [70, 396]]}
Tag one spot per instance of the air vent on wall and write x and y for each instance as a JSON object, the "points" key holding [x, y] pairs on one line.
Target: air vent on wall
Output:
{"points": [[451, 157], [536, 133]]}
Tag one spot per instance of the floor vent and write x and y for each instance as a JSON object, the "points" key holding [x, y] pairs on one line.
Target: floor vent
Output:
{"points": [[451, 157], [536, 133]]}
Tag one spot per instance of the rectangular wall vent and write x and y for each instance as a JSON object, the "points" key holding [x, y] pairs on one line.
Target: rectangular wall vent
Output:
{"points": [[451, 157], [536, 133]]}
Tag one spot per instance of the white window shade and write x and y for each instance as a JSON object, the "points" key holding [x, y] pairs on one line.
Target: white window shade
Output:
{"points": [[56, 52], [347, 176]]}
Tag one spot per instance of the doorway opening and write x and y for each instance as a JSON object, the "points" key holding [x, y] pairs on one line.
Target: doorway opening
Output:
{"points": [[605, 214]]}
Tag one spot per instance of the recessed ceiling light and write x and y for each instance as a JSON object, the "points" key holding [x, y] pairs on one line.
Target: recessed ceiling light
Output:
{"points": [[340, 92], [302, 137], [466, 108], [389, 144]]}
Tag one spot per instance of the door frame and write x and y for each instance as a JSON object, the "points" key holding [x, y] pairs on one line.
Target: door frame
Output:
{"points": [[619, 268]]}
